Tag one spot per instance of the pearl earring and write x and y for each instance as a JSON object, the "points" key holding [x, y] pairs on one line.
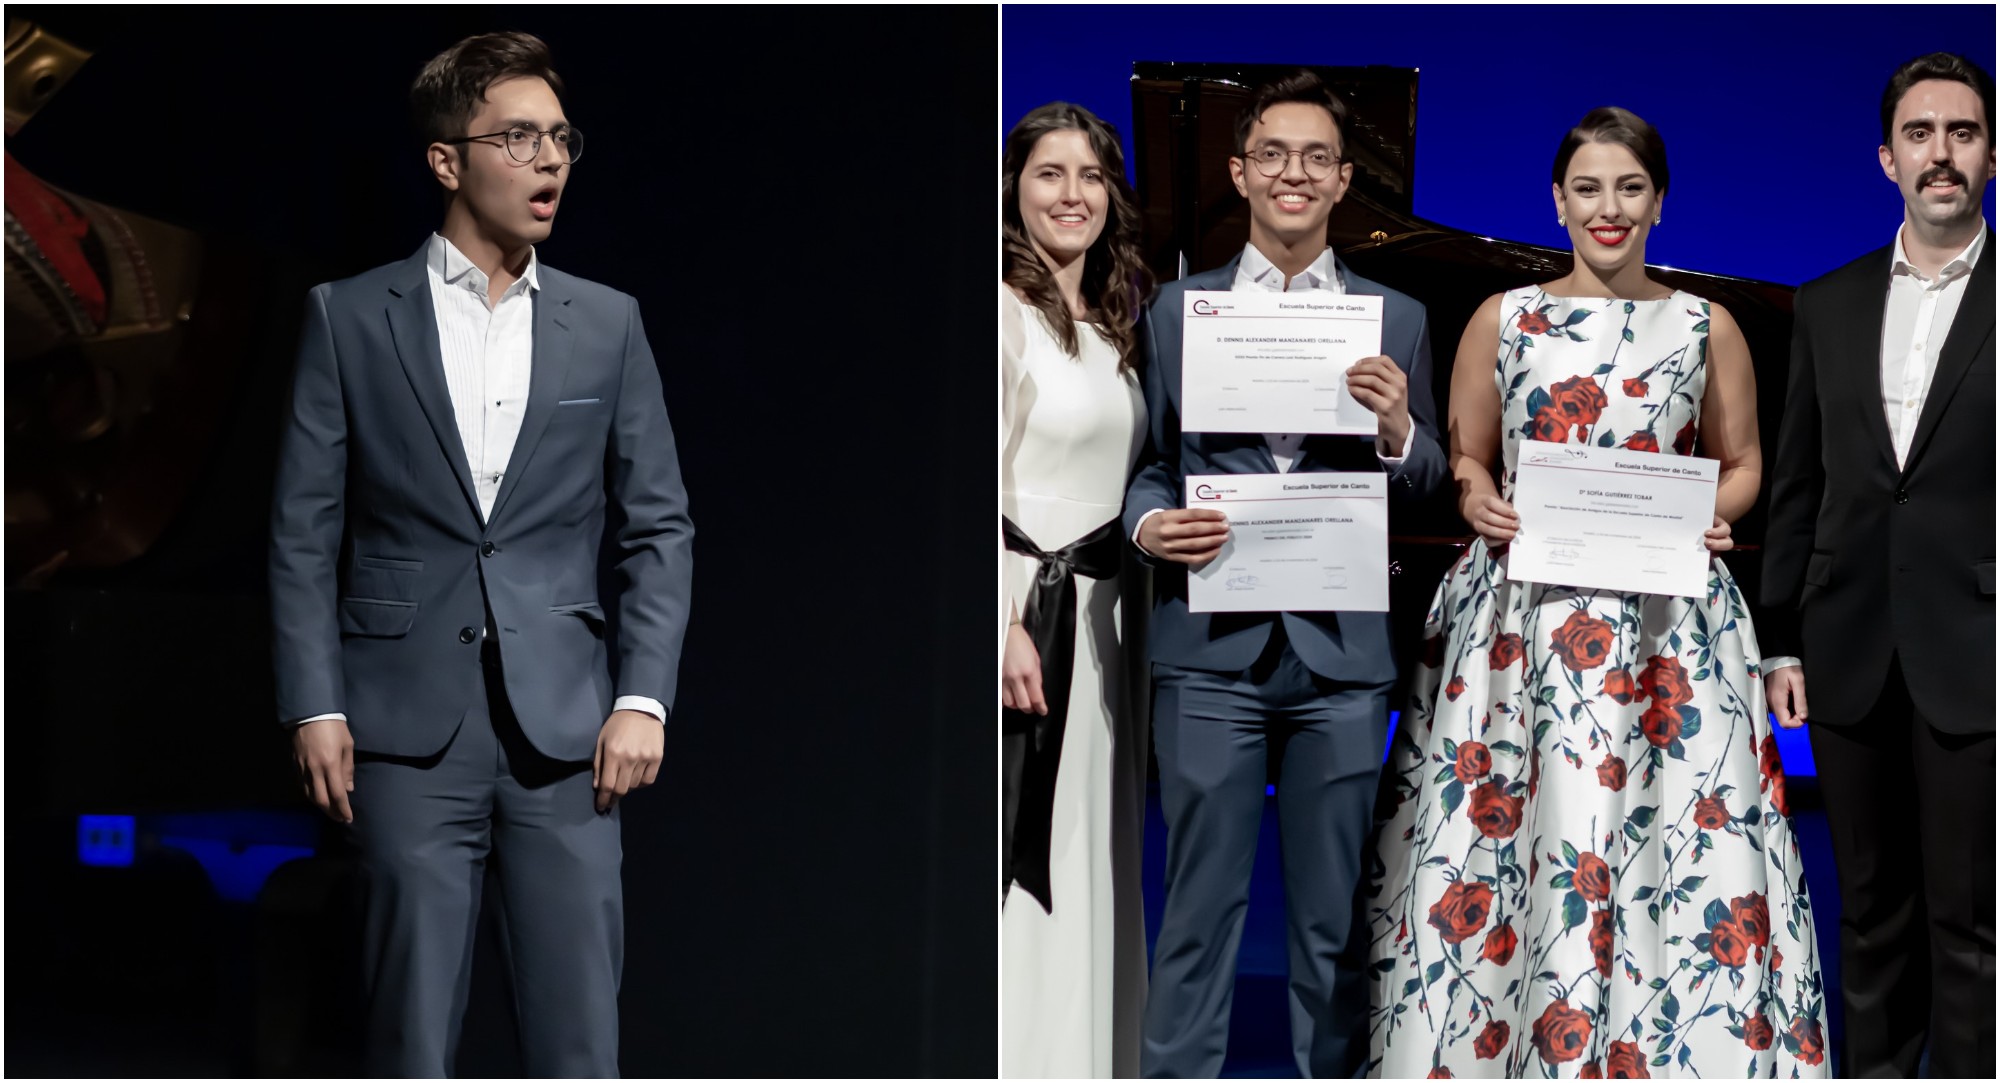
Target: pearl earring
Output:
{"points": [[1657, 219], [1562, 220]]}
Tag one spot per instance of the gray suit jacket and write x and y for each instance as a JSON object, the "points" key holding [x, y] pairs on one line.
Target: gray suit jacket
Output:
{"points": [[1342, 646], [382, 572]]}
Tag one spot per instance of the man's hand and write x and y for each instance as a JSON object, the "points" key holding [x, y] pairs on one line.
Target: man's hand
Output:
{"points": [[324, 752], [1376, 382], [1190, 536], [1021, 674], [629, 748], [1785, 692]]}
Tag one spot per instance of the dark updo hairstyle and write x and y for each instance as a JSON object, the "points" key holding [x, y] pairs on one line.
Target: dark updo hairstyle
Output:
{"points": [[1947, 66], [1610, 124], [1115, 278]]}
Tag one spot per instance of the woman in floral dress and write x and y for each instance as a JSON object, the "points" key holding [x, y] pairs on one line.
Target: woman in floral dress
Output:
{"points": [[1589, 869]]}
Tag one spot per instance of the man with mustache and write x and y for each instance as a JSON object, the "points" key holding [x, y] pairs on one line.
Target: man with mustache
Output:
{"points": [[476, 445], [1878, 571]]}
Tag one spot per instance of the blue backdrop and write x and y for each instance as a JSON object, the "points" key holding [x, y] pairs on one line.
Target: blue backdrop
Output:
{"points": [[1769, 113]]}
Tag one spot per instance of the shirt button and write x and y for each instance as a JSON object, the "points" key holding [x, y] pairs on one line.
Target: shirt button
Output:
{"points": [[467, 635]]}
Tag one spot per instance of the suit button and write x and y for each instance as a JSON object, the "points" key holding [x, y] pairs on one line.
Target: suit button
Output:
{"points": [[467, 635], [488, 549], [1902, 496]]}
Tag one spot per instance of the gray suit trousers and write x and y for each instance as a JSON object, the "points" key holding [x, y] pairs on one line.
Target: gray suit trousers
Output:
{"points": [[426, 829]]}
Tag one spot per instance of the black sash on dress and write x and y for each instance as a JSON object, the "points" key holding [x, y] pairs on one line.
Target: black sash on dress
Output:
{"points": [[1031, 744]]}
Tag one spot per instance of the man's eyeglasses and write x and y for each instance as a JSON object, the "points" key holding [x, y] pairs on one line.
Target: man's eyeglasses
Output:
{"points": [[525, 144], [1271, 161]]}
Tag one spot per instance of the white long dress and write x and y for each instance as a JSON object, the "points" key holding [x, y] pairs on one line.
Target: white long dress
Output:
{"points": [[1073, 981]]}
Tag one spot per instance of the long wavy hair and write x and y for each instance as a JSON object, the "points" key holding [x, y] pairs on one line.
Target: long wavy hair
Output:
{"points": [[1115, 279]]}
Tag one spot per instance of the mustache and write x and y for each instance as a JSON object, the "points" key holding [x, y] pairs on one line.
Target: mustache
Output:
{"points": [[1941, 172]]}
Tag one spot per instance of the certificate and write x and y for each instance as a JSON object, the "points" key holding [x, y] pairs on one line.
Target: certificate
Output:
{"points": [[1275, 362], [1298, 542], [1606, 518]]}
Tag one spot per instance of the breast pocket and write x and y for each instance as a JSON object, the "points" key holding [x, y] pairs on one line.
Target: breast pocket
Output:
{"points": [[587, 409]]}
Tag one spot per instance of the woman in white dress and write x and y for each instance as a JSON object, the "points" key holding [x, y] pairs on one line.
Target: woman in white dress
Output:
{"points": [[1072, 416]]}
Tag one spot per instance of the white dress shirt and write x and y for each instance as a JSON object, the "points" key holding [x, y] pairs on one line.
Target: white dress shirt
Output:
{"points": [[1256, 272], [488, 349], [1915, 321]]}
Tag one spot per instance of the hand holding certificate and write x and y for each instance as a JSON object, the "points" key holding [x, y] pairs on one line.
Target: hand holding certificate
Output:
{"points": [[1298, 542], [1611, 519], [1275, 362]]}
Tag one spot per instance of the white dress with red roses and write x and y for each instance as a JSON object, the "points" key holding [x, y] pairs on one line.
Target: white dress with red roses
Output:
{"points": [[1589, 870]]}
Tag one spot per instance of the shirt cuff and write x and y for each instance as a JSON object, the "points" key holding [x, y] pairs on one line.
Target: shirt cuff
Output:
{"points": [[1393, 462], [1778, 662], [645, 704], [1142, 526], [318, 718]]}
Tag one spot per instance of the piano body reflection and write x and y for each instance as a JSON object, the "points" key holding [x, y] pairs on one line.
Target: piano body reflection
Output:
{"points": [[1184, 118]]}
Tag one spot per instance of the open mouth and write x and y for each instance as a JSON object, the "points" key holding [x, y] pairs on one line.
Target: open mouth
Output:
{"points": [[1070, 221], [1293, 202], [1609, 236], [543, 203]]}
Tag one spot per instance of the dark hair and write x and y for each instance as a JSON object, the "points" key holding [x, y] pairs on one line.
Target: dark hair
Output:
{"points": [[452, 87], [1610, 124], [1300, 86], [1949, 66], [1115, 278]]}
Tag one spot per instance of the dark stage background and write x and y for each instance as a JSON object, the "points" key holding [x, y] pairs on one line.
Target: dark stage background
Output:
{"points": [[1770, 113], [798, 200]]}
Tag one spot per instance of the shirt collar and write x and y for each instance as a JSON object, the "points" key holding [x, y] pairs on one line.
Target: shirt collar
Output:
{"points": [[452, 266], [1963, 263], [1324, 274]]}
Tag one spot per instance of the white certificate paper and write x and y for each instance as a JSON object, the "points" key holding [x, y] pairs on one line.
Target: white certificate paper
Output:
{"points": [[1605, 518], [1298, 542], [1275, 362]]}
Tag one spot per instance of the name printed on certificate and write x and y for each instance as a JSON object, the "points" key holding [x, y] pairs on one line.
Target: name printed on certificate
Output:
{"points": [[1275, 362], [1297, 542], [1603, 518]]}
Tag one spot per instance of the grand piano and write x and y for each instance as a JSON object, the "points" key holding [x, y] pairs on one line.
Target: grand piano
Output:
{"points": [[1184, 119]]}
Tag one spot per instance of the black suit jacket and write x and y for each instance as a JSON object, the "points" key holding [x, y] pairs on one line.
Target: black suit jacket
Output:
{"points": [[1863, 560]]}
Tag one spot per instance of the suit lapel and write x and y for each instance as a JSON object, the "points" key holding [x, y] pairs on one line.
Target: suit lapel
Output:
{"points": [[547, 370], [413, 328], [1971, 329], [1860, 344]]}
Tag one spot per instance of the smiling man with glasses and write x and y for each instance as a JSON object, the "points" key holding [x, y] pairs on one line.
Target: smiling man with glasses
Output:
{"points": [[475, 442]]}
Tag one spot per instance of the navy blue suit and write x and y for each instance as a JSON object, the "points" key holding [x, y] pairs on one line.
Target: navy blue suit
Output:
{"points": [[385, 579], [1230, 690]]}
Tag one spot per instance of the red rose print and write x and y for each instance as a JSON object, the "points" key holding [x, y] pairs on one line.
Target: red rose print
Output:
{"points": [[1641, 441], [1618, 685], [1433, 652], [1474, 761], [1661, 725], [1440, 1072], [1550, 426], [1773, 769], [1711, 813], [1752, 914], [1455, 689], [1593, 878], [1506, 651], [1562, 1033], [1578, 399], [1492, 1041], [1777, 960], [1684, 440], [1496, 815], [1635, 388], [1757, 1032], [1624, 1061], [1666, 680], [1499, 945], [1583, 642], [1812, 1043], [1600, 940], [1728, 944], [1590, 1071], [1462, 911], [1533, 323], [1611, 773]]}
